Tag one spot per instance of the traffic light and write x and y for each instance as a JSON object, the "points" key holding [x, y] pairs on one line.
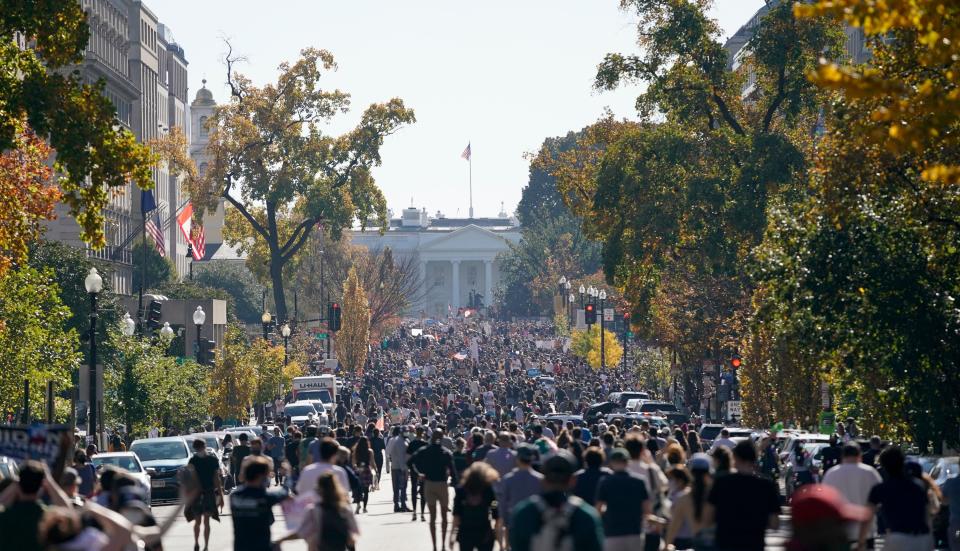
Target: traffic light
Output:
{"points": [[590, 314], [208, 352], [333, 317], [154, 315], [735, 361]]}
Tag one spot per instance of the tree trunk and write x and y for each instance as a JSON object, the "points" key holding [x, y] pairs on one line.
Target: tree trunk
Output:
{"points": [[276, 279]]}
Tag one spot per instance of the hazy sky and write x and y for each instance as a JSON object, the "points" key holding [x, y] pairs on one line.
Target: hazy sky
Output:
{"points": [[502, 74]]}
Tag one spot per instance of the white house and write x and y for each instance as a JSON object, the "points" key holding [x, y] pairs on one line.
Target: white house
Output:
{"points": [[457, 256]]}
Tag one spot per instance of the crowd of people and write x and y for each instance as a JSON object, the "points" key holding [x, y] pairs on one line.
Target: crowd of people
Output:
{"points": [[457, 419]]}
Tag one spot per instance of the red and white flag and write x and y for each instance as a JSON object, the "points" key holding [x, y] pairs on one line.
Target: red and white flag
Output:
{"points": [[466, 153], [185, 221], [199, 243]]}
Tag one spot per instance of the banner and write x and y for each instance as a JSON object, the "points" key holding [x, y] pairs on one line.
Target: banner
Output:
{"points": [[40, 442], [533, 372], [474, 349]]}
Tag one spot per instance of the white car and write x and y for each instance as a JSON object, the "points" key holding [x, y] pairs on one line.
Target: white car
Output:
{"points": [[128, 461], [305, 413]]}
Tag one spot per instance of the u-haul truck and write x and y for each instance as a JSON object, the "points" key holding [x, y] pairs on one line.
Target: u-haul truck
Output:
{"points": [[319, 388]]}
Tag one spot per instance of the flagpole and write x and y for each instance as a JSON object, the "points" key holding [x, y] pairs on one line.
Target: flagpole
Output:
{"points": [[470, 163], [143, 266]]}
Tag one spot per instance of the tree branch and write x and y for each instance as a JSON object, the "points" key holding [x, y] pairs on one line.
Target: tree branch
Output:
{"points": [[243, 210], [296, 233], [725, 112], [292, 250], [777, 100]]}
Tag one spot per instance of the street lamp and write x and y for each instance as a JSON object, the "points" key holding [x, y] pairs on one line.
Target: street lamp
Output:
{"points": [[285, 333], [265, 319], [93, 283], [571, 299], [583, 291], [166, 332], [199, 316], [127, 325], [603, 350]]}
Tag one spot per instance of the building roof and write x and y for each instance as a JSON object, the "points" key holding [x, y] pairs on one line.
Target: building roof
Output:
{"points": [[204, 97]]}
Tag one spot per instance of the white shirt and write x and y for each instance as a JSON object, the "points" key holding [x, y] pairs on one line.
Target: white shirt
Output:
{"points": [[307, 484], [854, 481], [725, 442]]}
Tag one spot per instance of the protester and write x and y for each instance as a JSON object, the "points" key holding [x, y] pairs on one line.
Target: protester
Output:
{"points": [[328, 449], [474, 507], [854, 480], [624, 503], [902, 500], [742, 504], [328, 523], [588, 478], [251, 506], [821, 517], [206, 473], [433, 465], [362, 465], [397, 466]]}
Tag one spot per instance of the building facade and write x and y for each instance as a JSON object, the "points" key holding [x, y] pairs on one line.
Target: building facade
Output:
{"points": [[456, 257], [145, 77]]}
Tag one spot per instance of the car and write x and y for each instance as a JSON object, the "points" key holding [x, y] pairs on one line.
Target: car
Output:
{"points": [[665, 409], [564, 418], [303, 413], [655, 421], [709, 432], [129, 462], [944, 469], [623, 397], [596, 411], [163, 458], [927, 462], [811, 442], [255, 429]]}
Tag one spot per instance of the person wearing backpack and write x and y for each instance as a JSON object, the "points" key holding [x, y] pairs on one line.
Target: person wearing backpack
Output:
{"points": [[555, 520], [329, 523]]}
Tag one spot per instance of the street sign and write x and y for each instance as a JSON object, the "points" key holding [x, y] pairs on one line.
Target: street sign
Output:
{"points": [[825, 395], [581, 323], [734, 409], [608, 314], [828, 422], [321, 336]]}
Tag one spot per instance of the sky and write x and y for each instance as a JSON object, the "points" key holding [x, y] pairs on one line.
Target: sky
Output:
{"points": [[501, 75]]}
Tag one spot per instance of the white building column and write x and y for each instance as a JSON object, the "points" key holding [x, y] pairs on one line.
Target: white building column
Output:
{"points": [[487, 282], [456, 284]]}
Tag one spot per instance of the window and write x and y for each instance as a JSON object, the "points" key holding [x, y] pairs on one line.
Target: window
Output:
{"points": [[203, 126], [203, 169]]}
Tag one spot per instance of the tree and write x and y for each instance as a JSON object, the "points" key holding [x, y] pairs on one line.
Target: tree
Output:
{"points": [[270, 372], [35, 344], [354, 336], [587, 345], [143, 387], [233, 379], [27, 195], [77, 119], [237, 281], [282, 176], [680, 199], [159, 270]]}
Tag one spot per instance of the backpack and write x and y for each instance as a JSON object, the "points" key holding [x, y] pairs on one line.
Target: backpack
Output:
{"points": [[334, 531], [555, 532]]}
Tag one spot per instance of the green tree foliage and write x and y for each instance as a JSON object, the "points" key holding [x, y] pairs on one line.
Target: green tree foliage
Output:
{"points": [[35, 343], [159, 270], [354, 336], [680, 199], [233, 379], [861, 278], [69, 267], [80, 123], [143, 387], [237, 281], [282, 175], [587, 346]]}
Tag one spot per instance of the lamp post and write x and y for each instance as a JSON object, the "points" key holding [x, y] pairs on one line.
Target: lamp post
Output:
{"points": [[127, 325], [199, 316], [285, 333], [603, 350], [189, 256], [93, 284], [265, 320], [166, 332], [571, 300]]}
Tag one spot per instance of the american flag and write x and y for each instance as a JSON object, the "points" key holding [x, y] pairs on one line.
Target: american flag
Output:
{"points": [[199, 250], [153, 225], [466, 152]]}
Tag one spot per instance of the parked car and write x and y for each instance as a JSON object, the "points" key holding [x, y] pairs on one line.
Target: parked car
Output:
{"points": [[564, 418], [622, 398], [665, 409], [944, 469], [128, 461], [304, 413], [8, 468], [709, 432], [163, 458], [596, 411]]}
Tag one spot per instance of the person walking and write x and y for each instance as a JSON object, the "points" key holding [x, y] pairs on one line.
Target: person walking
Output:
{"points": [[328, 450], [276, 449], [902, 500], [854, 480], [379, 446], [239, 453], [474, 506], [415, 487], [251, 506], [397, 467], [328, 523], [205, 506], [742, 504], [553, 519], [624, 503], [433, 466], [588, 478], [362, 460]]}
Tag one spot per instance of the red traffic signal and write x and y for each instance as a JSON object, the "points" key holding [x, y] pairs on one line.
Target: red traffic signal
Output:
{"points": [[735, 362], [590, 314]]}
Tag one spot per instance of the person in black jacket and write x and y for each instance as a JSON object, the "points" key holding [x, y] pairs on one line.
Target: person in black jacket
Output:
{"points": [[433, 465]]}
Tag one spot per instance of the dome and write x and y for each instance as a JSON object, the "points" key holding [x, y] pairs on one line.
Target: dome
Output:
{"points": [[204, 96]]}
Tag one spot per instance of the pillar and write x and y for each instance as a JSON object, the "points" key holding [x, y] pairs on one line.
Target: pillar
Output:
{"points": [[455, 303], [423, 284], [487, 282]]}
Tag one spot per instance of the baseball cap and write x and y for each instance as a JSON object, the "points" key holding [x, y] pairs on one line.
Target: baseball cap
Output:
{"points": [[814, 502], [700, 462]]}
